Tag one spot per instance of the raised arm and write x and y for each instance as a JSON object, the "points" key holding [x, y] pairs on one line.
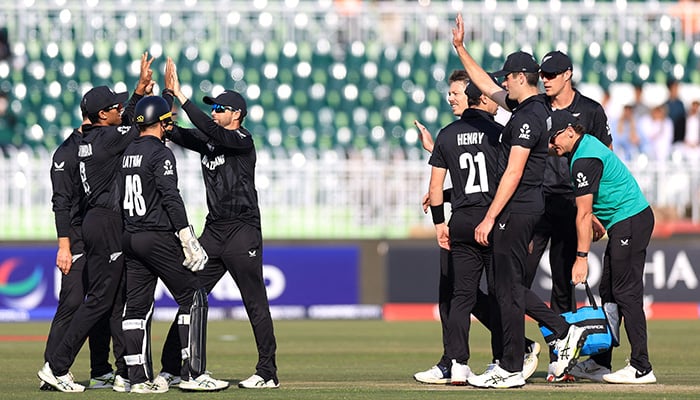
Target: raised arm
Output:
{"points": [[478, 76]]}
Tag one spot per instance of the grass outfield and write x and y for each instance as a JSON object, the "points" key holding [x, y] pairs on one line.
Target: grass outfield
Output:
{"points": [[363, 360]]}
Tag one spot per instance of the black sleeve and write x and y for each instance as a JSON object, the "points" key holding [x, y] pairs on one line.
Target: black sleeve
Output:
{"points": [[600, 127], [218, 134], [62, 198], [130, 109], [585, 175], [446, 195], [191, 139], [165, 173]]}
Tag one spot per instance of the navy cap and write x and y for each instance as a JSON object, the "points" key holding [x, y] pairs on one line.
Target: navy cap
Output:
{"points": [[473, 92], [519, 61], [560, 120], [101, 97], [229, 98], [555, 62]]}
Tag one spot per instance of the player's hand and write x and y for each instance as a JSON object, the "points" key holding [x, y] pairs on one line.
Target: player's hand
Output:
{"points": [[145, 84], [598, 230], [64, 258], [426, 139], [458, 32], [579, 272], [443, 235], [195, 256], [426, 202], [482, 231]]}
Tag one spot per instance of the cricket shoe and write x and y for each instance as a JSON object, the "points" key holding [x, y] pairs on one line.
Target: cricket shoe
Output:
{"points": [[203, 383], [105, 381], [568, 350], [437, 375], [63, 383], [45, 386], [551, 378], [166, 379], [121, 385], [497, 378], [630, 375], [257, 382], [148, 387], [530, 361], [459, 373], [589, 369]]}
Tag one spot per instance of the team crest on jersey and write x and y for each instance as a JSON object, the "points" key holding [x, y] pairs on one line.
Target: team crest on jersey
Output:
{"points": [[58, 166], [525, 132], [168, 167], [581, 180], [123, 130]]}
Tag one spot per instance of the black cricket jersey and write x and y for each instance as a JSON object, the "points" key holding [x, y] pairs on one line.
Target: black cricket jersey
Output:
{"points": [[527, 128], [591, 115], [228, 165], [67, 198], [99, 155], [468, 149], [150, 200]]}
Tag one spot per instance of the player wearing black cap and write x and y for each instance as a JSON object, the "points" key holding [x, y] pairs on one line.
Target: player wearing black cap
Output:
{"points": [[99, 152], [68, 206], [154, 219], [515, 209], [464, 97], [232, 233], [607, 194], [558, 223], [467, 148]]}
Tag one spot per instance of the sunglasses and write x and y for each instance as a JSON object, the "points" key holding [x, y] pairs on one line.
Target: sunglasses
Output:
{"points": [[551, 140], [218, 108], [113, 107], [548, 75]]}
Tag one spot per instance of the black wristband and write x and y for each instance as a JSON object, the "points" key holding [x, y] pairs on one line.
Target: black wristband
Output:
{"points": [[583, 254], [438, 213]]}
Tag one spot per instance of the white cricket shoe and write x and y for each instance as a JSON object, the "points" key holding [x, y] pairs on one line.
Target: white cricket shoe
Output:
{"points": [[459, 373], [148, 387], [166, 379], [568, 350], [631, 375], [589, 369], [121, 385], [498, 378], [551, 378], [105, 381], [63, 383], [203, 383], [257, 382], [530, 361], [436, 375]]}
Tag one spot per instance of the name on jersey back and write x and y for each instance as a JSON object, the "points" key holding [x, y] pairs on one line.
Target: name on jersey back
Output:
{"points": [[468, 138]]}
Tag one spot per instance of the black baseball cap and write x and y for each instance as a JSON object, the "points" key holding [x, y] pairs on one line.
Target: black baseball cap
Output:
{"points": [[229, 98], [473, 92], [561, 119], [101, 97], [519, 61], [555, 62]]}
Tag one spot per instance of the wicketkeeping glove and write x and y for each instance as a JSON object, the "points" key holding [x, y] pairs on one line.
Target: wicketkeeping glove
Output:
{"points": [[195, 256]]}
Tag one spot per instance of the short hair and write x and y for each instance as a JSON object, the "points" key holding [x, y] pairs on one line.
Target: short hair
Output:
{"points": [[459, 75]]}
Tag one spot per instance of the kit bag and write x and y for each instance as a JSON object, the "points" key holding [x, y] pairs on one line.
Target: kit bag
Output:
{"points": [[599, 337]]}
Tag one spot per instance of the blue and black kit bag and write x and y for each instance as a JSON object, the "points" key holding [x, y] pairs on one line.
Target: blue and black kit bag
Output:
{"points": [[598, 335]]}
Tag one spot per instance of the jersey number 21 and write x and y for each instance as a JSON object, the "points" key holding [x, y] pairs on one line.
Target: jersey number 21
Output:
{"points": [[474, 164]]}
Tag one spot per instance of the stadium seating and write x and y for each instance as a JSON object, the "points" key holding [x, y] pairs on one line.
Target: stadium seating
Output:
{"points": [[320, 91]]}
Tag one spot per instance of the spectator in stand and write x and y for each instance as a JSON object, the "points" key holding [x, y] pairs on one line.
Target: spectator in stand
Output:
{"points": [[657, 130], [691, 141], [676, 110], [624, 131]]}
